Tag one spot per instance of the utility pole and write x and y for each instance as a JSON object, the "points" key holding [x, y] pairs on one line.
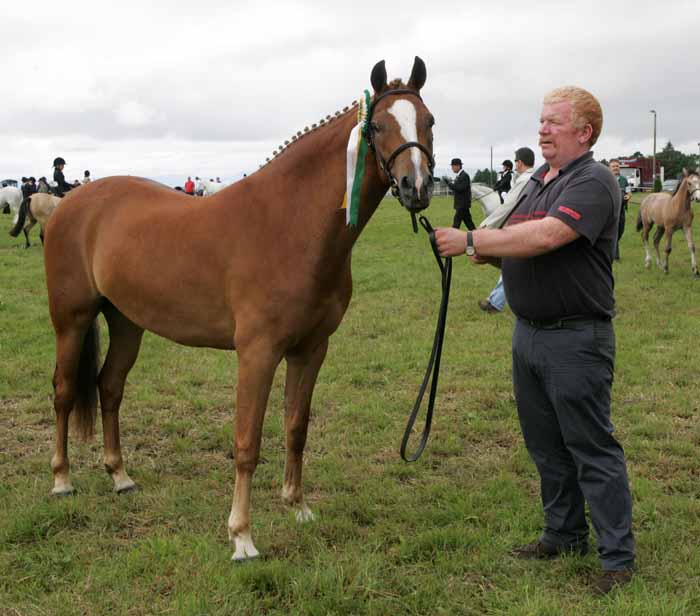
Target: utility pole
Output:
{"points": [[653, 159], [491, 169]]}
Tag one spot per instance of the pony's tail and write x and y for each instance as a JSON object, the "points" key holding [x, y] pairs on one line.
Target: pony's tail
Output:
{"points": [[21, 217], [640, 224], [85, 409]]}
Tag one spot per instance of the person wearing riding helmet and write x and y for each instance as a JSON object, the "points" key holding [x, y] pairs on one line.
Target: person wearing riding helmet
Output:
{"points": [[61, 185], [503, 185]]}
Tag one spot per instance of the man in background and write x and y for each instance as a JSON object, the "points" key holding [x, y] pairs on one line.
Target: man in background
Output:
{"points": [[614, 165], [462, 188]]}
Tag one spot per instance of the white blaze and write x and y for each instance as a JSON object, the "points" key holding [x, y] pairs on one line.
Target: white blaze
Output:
{"points": [[405, 113]]}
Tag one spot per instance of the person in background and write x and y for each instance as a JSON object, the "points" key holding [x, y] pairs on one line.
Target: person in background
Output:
{"points": [[556, 251], [503, 185], [462, 189], [524, 162], [189, 186], [62, 186], [614, 165], [86, 177], [43, 185]]}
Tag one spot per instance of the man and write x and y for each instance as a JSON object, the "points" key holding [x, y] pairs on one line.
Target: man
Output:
{"points": [[189, 186], [524, 163], [614, 165], [557, 249], [503, 185], [61, 185], [462, 189]]}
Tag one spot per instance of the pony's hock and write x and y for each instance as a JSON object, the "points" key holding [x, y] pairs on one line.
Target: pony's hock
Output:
{"points": [[115, 247]]}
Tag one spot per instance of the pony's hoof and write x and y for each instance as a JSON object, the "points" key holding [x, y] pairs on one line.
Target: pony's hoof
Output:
{"points": [[63, 491], [304, 514], [245, 550], [127, 489]]}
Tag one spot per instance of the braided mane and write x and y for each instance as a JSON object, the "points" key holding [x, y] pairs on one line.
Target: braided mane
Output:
{"points": [[393, 85]]}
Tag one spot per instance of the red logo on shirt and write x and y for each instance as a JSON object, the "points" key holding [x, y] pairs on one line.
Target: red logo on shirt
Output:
{"points": [[567, 210]]}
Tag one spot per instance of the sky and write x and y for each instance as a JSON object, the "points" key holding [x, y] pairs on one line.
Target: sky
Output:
{"points": [[170, 89]]}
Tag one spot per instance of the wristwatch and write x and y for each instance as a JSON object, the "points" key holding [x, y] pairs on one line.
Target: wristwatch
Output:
{"points": [[470, 245]]}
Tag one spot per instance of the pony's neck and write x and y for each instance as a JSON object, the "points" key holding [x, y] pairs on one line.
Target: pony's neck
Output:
{"points": [[316, 168], [683, 196]]}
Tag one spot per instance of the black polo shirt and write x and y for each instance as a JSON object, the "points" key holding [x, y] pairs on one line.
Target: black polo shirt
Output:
{"points": [[576, 279]]}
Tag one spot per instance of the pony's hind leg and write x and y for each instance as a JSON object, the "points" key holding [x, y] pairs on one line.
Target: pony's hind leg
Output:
{"points": [[302, 371], [667, 250], [76, 349], [124, 343], [256, 369], [688, 232], [645, 240]]}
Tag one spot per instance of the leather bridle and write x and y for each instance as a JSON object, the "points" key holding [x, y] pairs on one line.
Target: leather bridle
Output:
{"points": [[386, 164]]}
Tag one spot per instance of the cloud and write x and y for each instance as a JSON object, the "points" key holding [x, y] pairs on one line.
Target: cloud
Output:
{"points": [[171, 87]]}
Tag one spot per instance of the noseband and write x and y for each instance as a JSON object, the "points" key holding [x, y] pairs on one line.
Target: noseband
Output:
{"points": [[386, 164]]}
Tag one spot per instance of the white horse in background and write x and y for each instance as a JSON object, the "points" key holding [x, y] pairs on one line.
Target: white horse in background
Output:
{"points": [[486, 196], [11, 197], [211, 187]]}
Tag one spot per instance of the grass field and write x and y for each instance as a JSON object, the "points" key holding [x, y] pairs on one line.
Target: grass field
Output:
{"points": [[390, 538]]}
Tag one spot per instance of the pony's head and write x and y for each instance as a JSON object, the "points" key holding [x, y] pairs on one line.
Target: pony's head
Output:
{"points": [[693, 180], [401, 132]]}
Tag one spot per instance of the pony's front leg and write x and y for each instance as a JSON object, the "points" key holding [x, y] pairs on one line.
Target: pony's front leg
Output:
{"points": [[688, 232], [302, 371], [256, 369], [657, 239]]}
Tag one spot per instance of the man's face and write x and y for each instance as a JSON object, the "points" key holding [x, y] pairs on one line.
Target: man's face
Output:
{"points": [[456, 168], [560, 141], [615, 167], [519, 166]]}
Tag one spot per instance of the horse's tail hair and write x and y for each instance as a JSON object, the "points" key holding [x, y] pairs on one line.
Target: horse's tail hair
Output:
{"points": [[85, 409], [640, 224], [21, 217]]}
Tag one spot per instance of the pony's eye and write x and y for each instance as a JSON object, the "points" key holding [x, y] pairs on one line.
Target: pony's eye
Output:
{"points": [[431, 121], [376, 127]]}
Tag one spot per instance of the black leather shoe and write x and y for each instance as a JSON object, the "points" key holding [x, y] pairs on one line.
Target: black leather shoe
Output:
{"points": [[544, 551]]}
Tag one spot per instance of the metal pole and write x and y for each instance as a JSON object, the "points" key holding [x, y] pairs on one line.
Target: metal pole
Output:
{"points": [[491, 170], [698, 165], [653, 158]]}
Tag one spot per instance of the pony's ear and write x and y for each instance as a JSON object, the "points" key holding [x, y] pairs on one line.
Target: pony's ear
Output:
{"points": [[418, 74], [685, 172], [378, 77]]}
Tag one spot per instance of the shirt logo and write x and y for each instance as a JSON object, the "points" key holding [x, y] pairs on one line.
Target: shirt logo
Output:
{"points": [[567, 210]]}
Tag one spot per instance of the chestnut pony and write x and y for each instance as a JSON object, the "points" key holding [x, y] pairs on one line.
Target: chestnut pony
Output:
{"points": [[275, 285], [670, 213]]}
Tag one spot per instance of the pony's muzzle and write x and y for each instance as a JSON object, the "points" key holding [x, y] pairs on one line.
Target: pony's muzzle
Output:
{"points": [[416, 195]]}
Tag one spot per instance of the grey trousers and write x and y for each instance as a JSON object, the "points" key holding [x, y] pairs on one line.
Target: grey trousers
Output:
{"points": [[563, 378]]}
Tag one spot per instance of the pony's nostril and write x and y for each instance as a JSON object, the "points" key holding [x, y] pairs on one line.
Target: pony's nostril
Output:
{"points": [[406, 183]]}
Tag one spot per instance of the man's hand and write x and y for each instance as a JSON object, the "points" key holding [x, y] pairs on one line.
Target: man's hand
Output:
{"points": [[450, 242]]}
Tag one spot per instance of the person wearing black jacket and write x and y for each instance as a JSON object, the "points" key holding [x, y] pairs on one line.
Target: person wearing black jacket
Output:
{"points": [[61, 185], [462, 188], [503, 185]]}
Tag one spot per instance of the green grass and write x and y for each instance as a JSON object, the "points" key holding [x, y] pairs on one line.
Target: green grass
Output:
{"points": [[390, 538]]}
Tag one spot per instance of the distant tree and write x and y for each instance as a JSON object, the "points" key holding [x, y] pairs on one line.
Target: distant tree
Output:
{"points": [[674, 161], [484, 176]]}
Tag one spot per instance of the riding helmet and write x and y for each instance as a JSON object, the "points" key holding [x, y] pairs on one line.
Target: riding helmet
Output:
{"points": [[58, 161]]}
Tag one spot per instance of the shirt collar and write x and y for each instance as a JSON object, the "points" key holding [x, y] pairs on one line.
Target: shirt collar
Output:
{"points": [[542, 171]]}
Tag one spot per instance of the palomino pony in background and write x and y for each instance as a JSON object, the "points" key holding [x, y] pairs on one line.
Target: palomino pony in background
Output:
{"points": [[10, 199], [487, 197], [276, 285], [670, 213], [36, 209]]}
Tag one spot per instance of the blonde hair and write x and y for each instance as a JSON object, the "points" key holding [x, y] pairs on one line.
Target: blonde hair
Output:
{"points": [[585, 108]]}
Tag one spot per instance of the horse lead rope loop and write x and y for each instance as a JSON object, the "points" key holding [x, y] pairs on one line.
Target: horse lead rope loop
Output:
{"points": [[433, 369]]}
